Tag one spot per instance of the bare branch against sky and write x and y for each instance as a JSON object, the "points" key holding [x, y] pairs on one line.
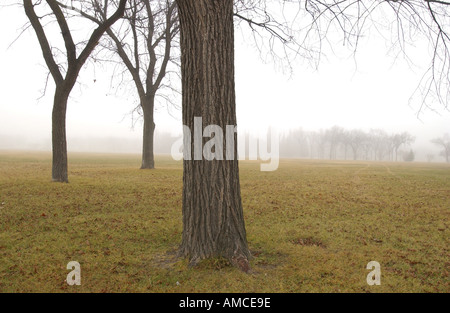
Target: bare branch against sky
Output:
{"points": [[289, 29]]}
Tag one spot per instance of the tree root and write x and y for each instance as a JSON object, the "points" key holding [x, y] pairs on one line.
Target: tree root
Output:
{"points": [[238, 260], [241, 262]]}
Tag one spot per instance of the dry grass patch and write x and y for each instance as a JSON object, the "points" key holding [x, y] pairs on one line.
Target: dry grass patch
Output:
{"points": [[312, 226]]}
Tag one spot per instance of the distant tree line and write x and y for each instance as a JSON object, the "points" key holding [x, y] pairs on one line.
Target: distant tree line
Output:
{"points": [[339, 143], [444, 143]]}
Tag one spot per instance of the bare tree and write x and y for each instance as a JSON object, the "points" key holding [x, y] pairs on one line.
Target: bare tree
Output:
{"points": [[213, 223], [380, 143], [444, 143], [317, 143], [65, 76], [356, 140], [144, 41], [334, 137], [398, 140]]}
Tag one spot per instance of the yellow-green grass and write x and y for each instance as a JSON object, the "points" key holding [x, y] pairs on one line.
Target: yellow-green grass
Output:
{"points": [[312, 226]]}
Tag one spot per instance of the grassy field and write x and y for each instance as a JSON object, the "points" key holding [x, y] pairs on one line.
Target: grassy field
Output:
{"points": [[312, 227]]}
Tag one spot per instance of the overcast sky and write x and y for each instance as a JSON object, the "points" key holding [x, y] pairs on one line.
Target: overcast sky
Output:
{"points": [[371, 93]]}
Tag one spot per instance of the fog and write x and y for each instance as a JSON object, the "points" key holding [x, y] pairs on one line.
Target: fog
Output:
{"points": [[371, 90]]}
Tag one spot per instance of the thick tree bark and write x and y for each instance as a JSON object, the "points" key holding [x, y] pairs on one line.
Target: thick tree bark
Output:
{"points": [[148, 158], [213, 220], [59, 142]]}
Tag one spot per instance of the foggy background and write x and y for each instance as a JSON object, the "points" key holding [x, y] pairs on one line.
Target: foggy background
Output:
{"points": [[367, 92]]}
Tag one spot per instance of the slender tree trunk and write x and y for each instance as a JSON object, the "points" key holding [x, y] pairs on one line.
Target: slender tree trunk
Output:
{"points": [[148, 157], [213, 220], [59, 142]]}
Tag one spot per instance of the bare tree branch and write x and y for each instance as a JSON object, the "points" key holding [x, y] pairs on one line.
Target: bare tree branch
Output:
{"points": [[43, 41], [292, 28]]}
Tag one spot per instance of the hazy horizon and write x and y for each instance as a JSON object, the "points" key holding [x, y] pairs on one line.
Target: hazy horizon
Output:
{"points": [[369, 90]]}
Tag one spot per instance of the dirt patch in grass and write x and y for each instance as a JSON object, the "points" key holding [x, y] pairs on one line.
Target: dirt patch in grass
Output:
{"points": [[167, 259], [308, 242], [267, 260]]}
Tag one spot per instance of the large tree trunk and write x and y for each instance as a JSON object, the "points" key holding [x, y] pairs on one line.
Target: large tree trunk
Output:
{"points": [[59, 143], [148, 158], [213, 220]]}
